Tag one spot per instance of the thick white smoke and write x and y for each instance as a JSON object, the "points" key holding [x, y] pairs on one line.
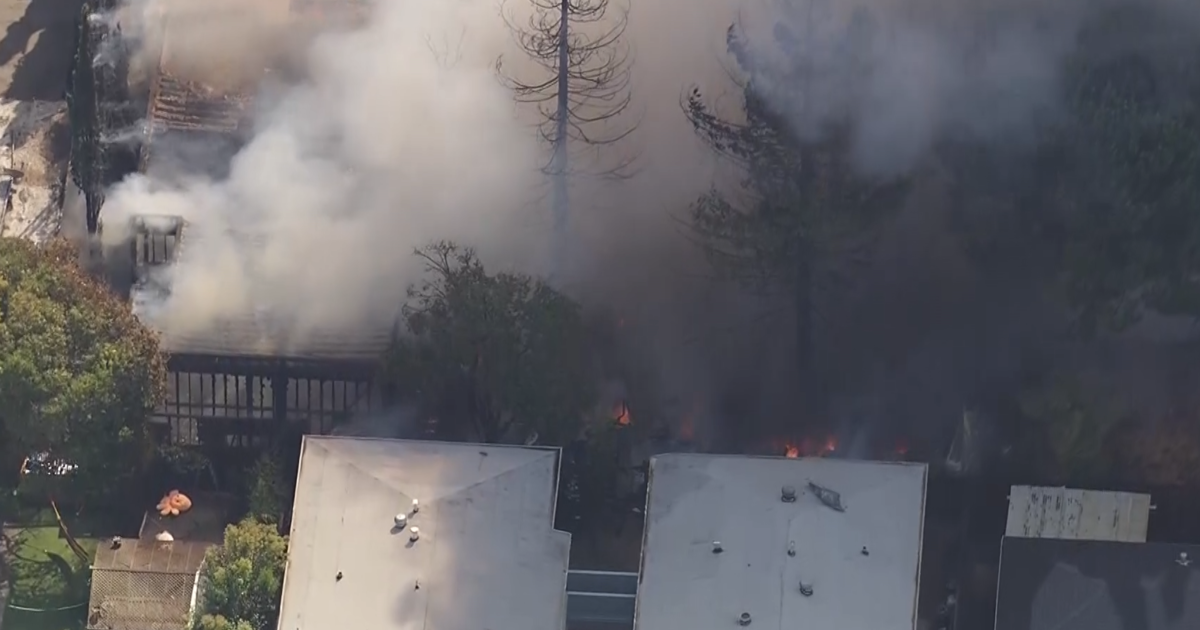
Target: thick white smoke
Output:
{"points": [[398, 135]]}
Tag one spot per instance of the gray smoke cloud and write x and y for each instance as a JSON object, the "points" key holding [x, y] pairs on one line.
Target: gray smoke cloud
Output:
{"points": [[369, 142], [911, 73], [398, 135]]}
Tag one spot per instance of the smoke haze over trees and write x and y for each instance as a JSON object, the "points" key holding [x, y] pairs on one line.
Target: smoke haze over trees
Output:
{"points": [[943, 204]]}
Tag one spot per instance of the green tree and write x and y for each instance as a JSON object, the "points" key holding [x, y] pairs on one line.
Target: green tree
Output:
{"points": [[492, 355], [79, 374], [1128, 185], [268, 493], [799, 219], [217, 622], [243, 579]]}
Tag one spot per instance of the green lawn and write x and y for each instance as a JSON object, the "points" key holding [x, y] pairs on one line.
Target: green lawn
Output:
{"points": [[46, 575]]}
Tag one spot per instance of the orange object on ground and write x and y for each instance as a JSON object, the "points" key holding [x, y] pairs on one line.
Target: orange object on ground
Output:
{"points": [[174, 503]]}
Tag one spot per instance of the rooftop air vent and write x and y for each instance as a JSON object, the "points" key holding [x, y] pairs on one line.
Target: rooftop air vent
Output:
{"points": [[414, 533], [401, 521], [744, 619], [806, 589], [416, 506], [787, 494], [717, 548]]}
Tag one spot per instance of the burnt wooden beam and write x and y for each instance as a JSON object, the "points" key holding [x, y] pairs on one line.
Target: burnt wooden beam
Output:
{"points": [[294, 368]]}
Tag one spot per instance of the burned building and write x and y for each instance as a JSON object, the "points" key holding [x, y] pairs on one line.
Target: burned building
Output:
{"points": [[243, 380]]}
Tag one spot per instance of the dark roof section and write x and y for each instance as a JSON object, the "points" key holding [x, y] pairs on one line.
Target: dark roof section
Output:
{"points": [[1056, 584]]}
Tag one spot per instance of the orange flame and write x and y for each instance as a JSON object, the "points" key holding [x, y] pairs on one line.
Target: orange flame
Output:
{"points": [[809, 447], [621, 414]]}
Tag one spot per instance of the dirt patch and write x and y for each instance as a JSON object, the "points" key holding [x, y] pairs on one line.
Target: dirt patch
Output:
{"points": [[34, 143]]}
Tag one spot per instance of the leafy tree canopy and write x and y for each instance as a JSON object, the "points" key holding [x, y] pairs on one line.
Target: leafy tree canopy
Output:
{"points": [[244, 579], [79, 374], [493, 356], [217, 622], [1130, 194]]}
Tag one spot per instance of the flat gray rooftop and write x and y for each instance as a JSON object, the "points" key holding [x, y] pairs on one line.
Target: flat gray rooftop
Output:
{"points": [[696, 499], [1057, 584], [487, 555]]}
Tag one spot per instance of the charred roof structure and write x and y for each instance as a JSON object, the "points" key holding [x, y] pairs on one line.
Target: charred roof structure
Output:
{"points": [[781, 543], [424, 535], [240, 380], [1057, 584]]}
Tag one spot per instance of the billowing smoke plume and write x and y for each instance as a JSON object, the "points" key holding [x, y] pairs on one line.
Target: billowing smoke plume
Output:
{"points": [[397, 134], [371, 141], [912, 73]]}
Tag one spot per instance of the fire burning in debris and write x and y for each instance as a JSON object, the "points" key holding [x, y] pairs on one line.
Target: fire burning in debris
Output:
{"points": [[621, 414], [810, 447]]}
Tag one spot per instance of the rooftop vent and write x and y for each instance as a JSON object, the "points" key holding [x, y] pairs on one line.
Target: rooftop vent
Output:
{"points": [[717, 548], [414, 533], [401, 521], [791, 548], [1183, 559], [416, 506], [806, 589], [787, 494], [744, 619]]}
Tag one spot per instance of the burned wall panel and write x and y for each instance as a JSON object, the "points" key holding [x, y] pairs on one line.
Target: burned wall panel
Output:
{"points": [[237, 402]]}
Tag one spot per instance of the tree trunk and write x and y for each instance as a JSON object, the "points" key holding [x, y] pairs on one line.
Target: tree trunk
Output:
{"points": [[558, 162]]}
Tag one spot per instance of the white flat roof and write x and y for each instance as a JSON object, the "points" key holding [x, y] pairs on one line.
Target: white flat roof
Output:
{"points": [[695, 500], [1048, 512], [487, 555]]}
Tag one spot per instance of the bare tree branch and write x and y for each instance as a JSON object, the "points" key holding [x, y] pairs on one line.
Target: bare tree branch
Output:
{"points": [[597, 80]]}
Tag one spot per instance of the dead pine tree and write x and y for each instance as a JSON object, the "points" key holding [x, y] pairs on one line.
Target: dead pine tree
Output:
{"points": [[580, 85]]}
